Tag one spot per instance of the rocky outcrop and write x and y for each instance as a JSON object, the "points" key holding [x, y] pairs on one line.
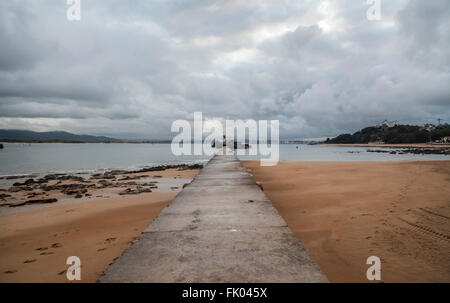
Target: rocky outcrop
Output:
{"points": [[417, 151], [42, 201], [137, 191], [39, 190]]}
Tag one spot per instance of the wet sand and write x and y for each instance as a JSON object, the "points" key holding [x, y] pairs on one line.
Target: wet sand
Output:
{"points": [[36, 240], [345, 212]]}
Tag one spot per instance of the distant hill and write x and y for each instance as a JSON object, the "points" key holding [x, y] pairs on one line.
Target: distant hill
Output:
{"points": [[12, 135], [399, 134]]}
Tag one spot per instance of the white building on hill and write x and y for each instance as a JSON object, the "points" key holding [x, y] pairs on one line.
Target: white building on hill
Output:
{"points": [[387, 123]]}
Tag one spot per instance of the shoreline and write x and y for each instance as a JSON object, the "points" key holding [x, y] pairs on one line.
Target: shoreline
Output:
{"points": [[86, 172], [405, 145], [342, 212], [95, 219], [40, 143], [53, 187], [409, 145]]}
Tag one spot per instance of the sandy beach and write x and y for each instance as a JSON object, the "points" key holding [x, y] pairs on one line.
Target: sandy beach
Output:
{"points": [[345, 212], [36, 239], [342, 212]]}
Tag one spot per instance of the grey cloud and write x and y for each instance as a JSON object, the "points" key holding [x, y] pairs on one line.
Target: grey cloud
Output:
{"points": [[129, 68], [20, 49], [425, 32]]}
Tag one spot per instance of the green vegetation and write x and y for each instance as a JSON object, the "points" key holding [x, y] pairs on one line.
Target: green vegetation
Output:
{"points": [[394, 135]]}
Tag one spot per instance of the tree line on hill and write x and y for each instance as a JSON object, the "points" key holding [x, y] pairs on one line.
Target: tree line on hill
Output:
{"points": [[11, 135], [400, 134]]}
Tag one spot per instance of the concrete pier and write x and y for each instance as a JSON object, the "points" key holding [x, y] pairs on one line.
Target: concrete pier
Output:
{"points": [[220, 228]]}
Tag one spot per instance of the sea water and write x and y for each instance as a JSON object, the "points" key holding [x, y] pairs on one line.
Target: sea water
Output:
{"points": [[16, 159]]}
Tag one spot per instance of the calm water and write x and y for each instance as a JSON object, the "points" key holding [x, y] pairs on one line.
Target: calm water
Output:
{"points": [[52, 158], [289, 152]]}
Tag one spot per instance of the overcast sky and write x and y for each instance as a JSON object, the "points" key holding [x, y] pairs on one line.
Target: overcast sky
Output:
{"points": [[129, 68]]}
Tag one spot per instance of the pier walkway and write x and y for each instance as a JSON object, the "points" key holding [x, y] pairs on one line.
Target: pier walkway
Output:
{"points": [[220, 228]]}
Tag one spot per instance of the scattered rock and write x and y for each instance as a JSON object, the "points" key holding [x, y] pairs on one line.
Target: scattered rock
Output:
{"points": [[105, 175], [16, 189], [110, 240], [133, 177], [72, 178], [42, 201], [137, 191], [39, 187], [26, 183], [10, 271], [150, 185], [413, 150], [67, 187], [16, 177], [164, 167], [33, 195], [3, 196], [260, 185], [377, 151]]}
